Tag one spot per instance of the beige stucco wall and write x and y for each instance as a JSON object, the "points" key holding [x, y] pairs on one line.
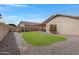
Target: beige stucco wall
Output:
{"points": [[65, 25]]}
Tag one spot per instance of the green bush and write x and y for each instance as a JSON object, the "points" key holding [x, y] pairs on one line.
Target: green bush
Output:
{"points": [[51, 29]]}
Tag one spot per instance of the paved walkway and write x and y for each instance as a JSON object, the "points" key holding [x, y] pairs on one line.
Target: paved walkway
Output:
{"points": [[68, 47], [9, 46]]}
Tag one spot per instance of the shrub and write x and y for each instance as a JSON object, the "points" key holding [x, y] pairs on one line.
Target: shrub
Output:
{"points": [[51, 29]]}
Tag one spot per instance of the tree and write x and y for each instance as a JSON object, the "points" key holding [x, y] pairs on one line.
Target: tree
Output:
{"points": [[12, 25], [0, 16], [53, 29]]}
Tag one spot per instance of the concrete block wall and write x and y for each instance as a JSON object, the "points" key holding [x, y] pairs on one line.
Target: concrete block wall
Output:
{"points": [[4, 29], [12, 28]]}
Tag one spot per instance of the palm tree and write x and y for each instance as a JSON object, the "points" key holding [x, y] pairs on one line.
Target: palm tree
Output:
{"points": [[0, 16]]}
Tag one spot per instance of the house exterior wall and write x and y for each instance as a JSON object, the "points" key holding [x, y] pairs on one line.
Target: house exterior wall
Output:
{"points": [[29, 27], [43, 27], [21, 25], [4, 29], [18, 29], [65, 25], [33, 27]]}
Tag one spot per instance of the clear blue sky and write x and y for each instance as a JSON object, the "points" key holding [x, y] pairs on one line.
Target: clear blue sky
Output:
{"points": [[14, 13]]}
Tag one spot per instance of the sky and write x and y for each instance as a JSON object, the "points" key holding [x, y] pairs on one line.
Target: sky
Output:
{"points": [[14, 13]]}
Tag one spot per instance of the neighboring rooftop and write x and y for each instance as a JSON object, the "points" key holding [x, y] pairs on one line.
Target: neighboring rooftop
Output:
{"points": [[53, 16], [29, 23], [49, 19]]}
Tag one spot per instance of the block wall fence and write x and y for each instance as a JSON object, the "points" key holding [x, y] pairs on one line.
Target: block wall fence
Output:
{"points": [[4, 30]]}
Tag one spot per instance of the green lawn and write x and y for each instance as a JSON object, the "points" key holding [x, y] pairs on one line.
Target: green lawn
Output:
{"points": [[39, 39]]}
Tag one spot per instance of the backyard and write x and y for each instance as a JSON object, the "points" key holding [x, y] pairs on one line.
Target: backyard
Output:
{"points": [[41, 39]]}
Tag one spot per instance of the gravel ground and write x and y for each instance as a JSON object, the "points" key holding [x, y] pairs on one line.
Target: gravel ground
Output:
{"points": [[8, 45], [68, 47]]}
